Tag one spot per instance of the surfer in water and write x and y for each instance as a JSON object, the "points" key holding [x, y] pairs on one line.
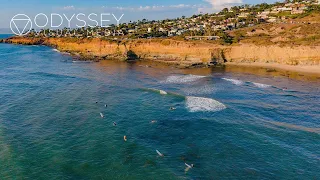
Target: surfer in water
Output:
{"points": [[188, 167], [106, 105], [102, 116], [114, 124], [159, 153], [172, 108]]}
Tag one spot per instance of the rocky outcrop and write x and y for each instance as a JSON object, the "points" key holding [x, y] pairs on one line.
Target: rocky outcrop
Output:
{"points": [[218, 56], [24, 41]]}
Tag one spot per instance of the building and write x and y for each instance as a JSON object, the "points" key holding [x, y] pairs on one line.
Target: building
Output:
{"points": [[284, 9], [298, 9]]}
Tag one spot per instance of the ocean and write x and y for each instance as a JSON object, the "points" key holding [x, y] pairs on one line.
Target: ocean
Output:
{"points": [[228, 124]]}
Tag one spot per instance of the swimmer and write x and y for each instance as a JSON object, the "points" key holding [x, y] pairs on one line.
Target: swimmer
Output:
{"points": [[125, 138], [114, 124], [102, 116], [106, 105]]}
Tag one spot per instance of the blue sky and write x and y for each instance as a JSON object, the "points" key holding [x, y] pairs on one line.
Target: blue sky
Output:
{"points": [[132, 9]]}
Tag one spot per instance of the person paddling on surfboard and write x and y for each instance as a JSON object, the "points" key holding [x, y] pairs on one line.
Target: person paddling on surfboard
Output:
{"points": [[159, 153], [172, 108], [188, 167]]}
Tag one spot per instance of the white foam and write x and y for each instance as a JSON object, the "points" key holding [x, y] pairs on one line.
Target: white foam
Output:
{"points": [[200, 104], [56, 50], [259, 85], [180, 79], [234, 81], [163, 92], [206, 89]]}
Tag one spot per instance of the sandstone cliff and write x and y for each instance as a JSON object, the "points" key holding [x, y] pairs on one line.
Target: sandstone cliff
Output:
{"points": [[180, 52], [297, 55]]}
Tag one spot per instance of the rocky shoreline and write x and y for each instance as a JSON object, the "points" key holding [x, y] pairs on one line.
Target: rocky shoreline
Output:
{"points": [[183, 54]]}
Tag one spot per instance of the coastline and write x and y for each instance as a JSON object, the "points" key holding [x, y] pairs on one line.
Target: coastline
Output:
{"points": [[310, 70], [185, 54]]}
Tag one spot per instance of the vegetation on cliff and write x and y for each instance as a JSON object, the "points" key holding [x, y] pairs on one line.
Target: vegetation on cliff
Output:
{"points": [[301, 31]]}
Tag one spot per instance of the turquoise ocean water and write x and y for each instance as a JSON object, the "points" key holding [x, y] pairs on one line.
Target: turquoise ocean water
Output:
{"points": [[229, 125]]}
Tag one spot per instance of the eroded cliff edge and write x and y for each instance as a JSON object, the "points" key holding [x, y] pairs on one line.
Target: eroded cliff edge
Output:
{"points": [[181, 53]]}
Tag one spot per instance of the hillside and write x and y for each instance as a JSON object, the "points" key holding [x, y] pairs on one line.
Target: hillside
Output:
{"points": [[292, 32]]}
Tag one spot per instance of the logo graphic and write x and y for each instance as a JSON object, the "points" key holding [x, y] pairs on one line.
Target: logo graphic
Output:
{"points": [[20, 24]]}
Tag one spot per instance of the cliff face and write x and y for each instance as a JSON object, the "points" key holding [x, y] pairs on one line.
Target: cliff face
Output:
{"points": [[298, 55], [179, 52]]}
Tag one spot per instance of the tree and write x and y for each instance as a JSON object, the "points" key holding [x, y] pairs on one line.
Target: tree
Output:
{"points": [[225, 10]]}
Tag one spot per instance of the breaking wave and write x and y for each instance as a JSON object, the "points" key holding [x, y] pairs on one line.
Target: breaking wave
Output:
{"points": [[234, 81], [200, 104], [259, 85], [162, 92], [180, 79], [206, 89], [55, 50]]}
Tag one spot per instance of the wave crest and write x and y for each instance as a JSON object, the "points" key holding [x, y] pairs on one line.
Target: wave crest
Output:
{"points": [[200, 104], [162, 92], [206, 89], [234, 81], [180, 79], [259, 85]]}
